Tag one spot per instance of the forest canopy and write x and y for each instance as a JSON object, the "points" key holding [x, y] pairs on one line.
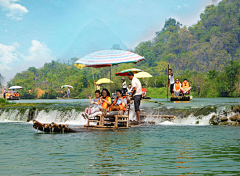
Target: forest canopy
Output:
{"points": [[207, 53]]}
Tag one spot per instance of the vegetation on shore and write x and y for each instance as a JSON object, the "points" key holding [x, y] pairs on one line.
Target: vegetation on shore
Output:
{"points": [[207, 54], [5, 102]]}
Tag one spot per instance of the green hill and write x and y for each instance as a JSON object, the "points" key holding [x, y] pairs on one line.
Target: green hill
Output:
{"points": [[208, 45], [206, 53]]}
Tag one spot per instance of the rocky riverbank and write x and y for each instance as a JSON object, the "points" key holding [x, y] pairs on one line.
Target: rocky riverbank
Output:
{"points": [[223, 119]]}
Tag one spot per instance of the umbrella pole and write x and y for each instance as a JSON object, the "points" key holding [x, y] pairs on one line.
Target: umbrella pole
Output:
{"points": [[111, 78], [93, 79], [167, 82]]}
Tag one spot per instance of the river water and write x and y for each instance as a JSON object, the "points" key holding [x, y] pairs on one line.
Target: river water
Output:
{"points": [[181, 147]]}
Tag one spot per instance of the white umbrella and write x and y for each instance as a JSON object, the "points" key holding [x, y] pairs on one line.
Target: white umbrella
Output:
{"points": [[143, 75], [66, 86], [15, 87]]}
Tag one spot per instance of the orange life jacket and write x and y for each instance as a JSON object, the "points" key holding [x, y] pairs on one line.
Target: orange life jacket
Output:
{"points": [[177, 86], [120, 105], [105, 104], [185, 85], [17, 94], [144, 90]]}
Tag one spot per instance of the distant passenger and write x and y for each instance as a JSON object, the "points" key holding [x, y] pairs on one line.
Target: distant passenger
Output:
{"points": [[129, 89], [68, 90], [171, 81], [177, 87], [4, 93], [124, 86], [98, 87], [144, 91], [17, 94], [186, 87]]}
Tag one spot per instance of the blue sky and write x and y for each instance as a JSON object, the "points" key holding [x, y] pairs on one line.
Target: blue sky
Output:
{"points": [[33, 32]]}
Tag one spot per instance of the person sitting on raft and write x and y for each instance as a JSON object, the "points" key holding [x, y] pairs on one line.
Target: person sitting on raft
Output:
{"points": [[144, 91], [17, 94], [186, 87], [177, 87], [97, 103], [106, 102], [119, 103]]}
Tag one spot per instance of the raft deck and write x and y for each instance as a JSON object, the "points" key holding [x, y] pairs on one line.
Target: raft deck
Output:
{"points": [[181, 98]]}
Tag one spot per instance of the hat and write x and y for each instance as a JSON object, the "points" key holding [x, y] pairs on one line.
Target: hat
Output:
{"points": [[123, 78]]}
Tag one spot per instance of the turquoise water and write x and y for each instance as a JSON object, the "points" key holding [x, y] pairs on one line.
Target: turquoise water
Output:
{"points": [[180, 147], [153, 150]]}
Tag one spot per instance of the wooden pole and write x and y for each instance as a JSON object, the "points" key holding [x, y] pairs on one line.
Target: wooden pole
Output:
{"points": [[93, 78], [111, 79], [167, 82]]}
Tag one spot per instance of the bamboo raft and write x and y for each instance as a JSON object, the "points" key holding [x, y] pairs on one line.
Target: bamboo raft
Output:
{"points": [[180, 98], [102, 122], [106, 124], [13, 98]]}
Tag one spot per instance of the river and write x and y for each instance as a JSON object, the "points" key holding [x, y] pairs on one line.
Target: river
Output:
{"points": [[181, 147]]}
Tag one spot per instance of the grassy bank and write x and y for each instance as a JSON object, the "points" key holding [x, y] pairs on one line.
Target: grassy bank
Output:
{"points": [[5, 102]]}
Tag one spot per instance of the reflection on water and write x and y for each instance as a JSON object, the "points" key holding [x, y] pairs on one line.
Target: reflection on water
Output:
{"points": [[155, 150]]}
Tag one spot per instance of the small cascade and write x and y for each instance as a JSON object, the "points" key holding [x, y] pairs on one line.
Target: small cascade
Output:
{"points": [[192, 120], [71, 117], [14, 115], [160, 116]]}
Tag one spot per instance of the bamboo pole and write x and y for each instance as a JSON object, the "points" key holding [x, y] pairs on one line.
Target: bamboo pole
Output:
{"points": [[93, 78], [168, 83]]}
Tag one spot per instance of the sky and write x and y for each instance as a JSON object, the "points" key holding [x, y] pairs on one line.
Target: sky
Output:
{"points": [[33, 32]]}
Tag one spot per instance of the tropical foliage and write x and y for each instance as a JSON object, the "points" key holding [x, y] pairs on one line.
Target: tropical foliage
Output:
{"points": [[206, 53]]}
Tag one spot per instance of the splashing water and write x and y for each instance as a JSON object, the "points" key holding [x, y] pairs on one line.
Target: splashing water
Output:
{"points": [[74, 117], [71, 117], [13, 115]]}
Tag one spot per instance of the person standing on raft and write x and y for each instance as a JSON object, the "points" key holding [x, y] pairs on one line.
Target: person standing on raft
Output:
{"points": [[136, 94], [171, 81], [68, 90], [98, 87], [124, 86]]}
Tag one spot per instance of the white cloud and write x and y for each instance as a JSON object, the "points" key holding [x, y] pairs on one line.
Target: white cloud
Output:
{"points": [[8, 54], [179, 7], [14, 10], [12, 61], [39, 52]]}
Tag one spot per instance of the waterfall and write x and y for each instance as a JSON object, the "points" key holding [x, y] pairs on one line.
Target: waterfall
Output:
{"points": [[74, 117]]}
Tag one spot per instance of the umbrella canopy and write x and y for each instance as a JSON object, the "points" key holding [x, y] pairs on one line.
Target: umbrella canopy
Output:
{"points": [[125, 72], [66, 86], [143, 75], [15, 87], [104, 80], [107, 58]]}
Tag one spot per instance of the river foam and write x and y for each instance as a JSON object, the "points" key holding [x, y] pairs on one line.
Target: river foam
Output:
{"points": [[74, 117]]}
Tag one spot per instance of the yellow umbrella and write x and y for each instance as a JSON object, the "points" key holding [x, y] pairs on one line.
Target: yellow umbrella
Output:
{"points": [[104, 80], [79, 65], [143, 75]]}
